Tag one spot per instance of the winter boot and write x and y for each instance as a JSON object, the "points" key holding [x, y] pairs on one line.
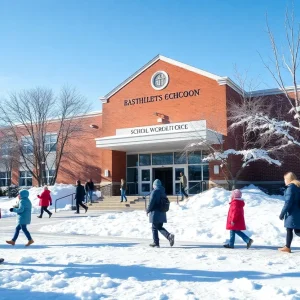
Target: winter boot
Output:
{"points": [[1, 260], [87, 209], [154, 245], [50, 215], [39, 217], [228, 246], [11, 242], [249, 243], [29, 243], [285, 249], [171, 239]]}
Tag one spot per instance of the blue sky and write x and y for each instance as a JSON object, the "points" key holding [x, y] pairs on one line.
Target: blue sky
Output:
{"points": [[94, 45]]}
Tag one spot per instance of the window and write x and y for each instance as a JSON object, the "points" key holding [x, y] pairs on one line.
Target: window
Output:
{"points": [[195, 173], [194, 157], [6, 149], [145, 175], [162, 159], [25, 178], [48, 176], [5, 178], [27, 145], [159, 80], [145, 159], [50, 142], [179, 158], [132, 160]]}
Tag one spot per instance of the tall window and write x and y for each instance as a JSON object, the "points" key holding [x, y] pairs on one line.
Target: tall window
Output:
{"points": [[48, 176], [6, 149], [5, 178], [50, 142], [27, 145], [25, 178]]}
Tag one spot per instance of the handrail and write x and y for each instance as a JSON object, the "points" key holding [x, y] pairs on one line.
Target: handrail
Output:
{"points": [[202, 182], [63, 198]]}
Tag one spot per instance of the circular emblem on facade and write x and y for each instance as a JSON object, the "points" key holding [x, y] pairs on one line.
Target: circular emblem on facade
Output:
{"points": [[159, 80]]}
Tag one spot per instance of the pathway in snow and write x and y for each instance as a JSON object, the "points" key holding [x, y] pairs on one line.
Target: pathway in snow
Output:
{"points": [[64, 266]]}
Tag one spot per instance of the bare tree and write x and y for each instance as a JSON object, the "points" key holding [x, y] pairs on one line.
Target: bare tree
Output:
{"points": [[283, 127], [42, 125]]}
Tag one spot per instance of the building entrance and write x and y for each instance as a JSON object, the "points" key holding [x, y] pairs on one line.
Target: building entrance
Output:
{"points": [[165, 175]]}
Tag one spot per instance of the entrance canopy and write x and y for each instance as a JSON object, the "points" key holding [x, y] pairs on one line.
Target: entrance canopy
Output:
{"points": [[164, 137]]}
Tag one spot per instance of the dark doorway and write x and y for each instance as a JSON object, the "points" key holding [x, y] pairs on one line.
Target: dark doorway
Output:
{"points": [[165, 175]]}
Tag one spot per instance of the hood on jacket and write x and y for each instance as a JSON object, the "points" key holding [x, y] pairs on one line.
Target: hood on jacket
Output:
{"points": [[157, 184], [24, 194]]}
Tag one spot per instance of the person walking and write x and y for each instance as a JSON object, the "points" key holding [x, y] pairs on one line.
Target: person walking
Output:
{"points": [[89, 190], [45, 201], [123, 190], [236, 220], [156, 216], [291, 210], [23, 218], [183, 186], [79, 196]]}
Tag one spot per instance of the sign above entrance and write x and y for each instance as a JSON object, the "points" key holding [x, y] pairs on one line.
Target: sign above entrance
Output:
{"points": [[161, 97], [166, 128]]}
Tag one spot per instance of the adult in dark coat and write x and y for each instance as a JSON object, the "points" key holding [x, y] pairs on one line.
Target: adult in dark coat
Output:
{"points": [[291, 209], [156, 216], [79, 197], [89, 189]]}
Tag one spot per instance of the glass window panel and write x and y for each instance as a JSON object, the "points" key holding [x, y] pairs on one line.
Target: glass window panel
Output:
{"points": [[205, 172], [177, 173], [194, 157], [22, 182], [179, 158], [2, 182], [146, 187], [194, 188], [8, 182], [132, 160], [162, 159], [22, 174], [145, 159], [2, 174], [195, 173], [132, 188], [29, 182], [132, 175], [51, 172], [145, 175]]}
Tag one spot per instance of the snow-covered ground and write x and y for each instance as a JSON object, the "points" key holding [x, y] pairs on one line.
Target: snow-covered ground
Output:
{"points": [[106, 255]]}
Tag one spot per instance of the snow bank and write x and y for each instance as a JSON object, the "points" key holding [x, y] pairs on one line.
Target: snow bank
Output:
{"points": [[57, 191], [201, 219]]}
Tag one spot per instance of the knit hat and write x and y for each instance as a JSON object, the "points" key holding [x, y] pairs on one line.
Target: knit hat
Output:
{"points": [[236, 194], [157, 183]]}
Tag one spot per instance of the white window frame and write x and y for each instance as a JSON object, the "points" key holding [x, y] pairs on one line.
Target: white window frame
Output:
{"points": [[28, 175], [6, 178], [48, 176], [50, 146]]}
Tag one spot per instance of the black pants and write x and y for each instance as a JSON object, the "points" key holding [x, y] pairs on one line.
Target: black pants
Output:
{"points": [[183, 193], [289, 236], [159, 227], [81, 204], [45, 208]]}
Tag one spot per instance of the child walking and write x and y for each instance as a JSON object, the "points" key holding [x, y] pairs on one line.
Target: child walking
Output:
{"points": [[236, 220], [23, 218], [45, 201]]}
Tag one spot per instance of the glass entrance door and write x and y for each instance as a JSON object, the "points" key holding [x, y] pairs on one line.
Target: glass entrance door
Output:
{"points": [[145, 180], [177, 170]]}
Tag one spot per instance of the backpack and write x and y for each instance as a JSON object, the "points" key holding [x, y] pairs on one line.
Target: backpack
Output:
{"points": [[164, 204]]}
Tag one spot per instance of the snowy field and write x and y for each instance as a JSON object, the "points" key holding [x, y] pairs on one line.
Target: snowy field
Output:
{"points": [[106, 255]]}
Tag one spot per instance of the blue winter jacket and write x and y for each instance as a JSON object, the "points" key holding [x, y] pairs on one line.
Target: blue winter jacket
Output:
{"points": [[155, 215], [291, 209], [24, 209]]}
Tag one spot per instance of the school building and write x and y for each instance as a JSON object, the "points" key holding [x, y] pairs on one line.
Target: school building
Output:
{"points": [[147, 122]]}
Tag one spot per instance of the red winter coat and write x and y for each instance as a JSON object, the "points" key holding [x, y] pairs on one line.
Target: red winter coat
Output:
{"points": [[45, 198], [236, 215]]}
